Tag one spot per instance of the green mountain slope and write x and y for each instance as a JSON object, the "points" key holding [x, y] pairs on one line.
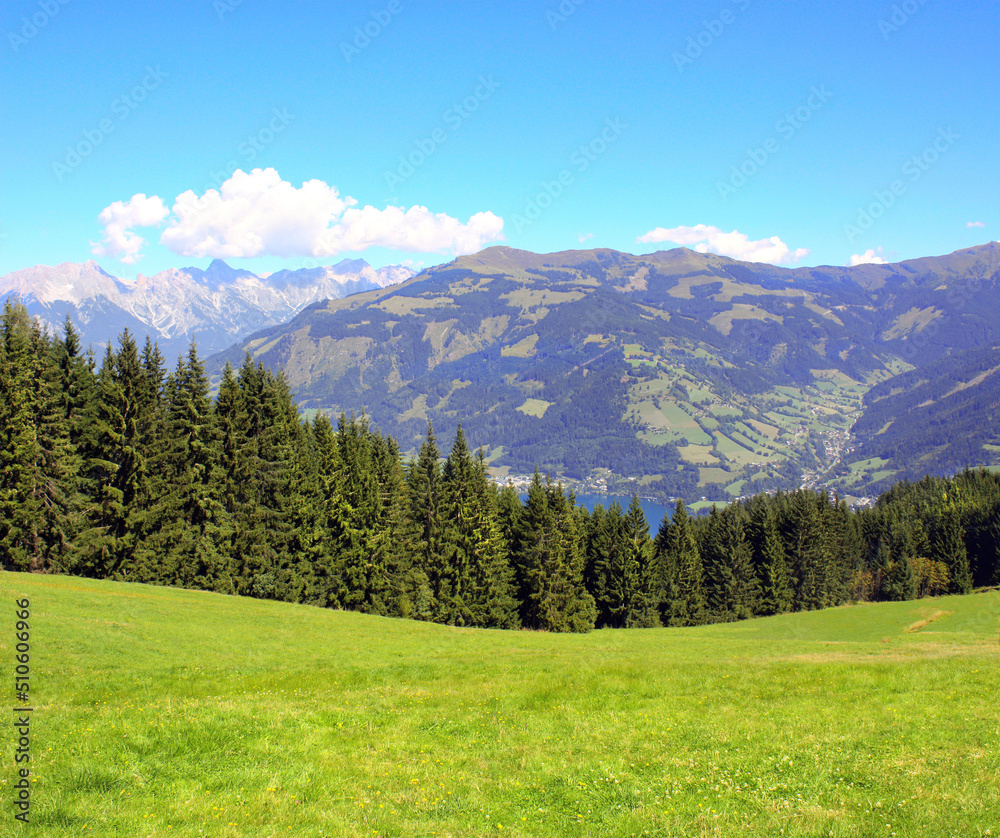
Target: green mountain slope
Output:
{"points": [[689, 374], [160, 711]]}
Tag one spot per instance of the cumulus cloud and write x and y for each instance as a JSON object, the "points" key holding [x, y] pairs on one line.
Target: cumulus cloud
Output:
{"points": [[869, 257], [119, 218], [258, 214], [975, 224], [737, 245], [585, 237]]}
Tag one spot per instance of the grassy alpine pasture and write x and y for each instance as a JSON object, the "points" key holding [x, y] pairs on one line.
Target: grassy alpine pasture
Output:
{"points": [[165, 712]]}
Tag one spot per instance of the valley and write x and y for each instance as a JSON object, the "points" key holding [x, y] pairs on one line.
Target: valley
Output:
{"points": [[675, 374]]}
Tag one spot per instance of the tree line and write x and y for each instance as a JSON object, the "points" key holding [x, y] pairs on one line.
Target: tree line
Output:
{"points": [[122, 470]]}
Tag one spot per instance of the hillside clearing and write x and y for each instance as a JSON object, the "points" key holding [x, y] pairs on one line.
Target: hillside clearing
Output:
{"points": [[161, 711]]}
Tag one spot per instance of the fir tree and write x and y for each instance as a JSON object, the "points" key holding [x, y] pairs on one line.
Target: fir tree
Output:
{"points": [[777, 595], [21, 507], [682, 574], [423, 483], [187, 527], [948, 547], [733, 589], [552, 563], [117, 468]]}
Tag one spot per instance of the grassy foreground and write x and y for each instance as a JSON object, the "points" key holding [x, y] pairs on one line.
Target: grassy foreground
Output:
{"points": [[165, 712]]}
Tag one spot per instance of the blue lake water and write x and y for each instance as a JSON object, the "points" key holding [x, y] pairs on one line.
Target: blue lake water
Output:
{"points": [[654, 511]]}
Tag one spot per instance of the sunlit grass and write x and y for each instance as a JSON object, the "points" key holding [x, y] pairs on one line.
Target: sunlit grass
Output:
{"points": [[166, 712]]}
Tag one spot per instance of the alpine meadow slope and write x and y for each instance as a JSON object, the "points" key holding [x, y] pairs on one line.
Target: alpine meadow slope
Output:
{"points": [[676, 373], [238, 717]]}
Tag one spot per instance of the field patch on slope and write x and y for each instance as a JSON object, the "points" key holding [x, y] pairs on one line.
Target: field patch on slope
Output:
{"points": [[168, 712]]}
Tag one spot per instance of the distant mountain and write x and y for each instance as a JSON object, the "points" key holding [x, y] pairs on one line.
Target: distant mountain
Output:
{"points": [[937, 418], [679, 373], [217, 306]]}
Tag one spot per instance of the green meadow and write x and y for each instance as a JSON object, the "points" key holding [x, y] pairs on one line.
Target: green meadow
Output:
{"points": [[165, 712]]}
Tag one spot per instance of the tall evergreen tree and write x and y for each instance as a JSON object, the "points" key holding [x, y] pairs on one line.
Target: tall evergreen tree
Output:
{"points": [[186, 527], [423, 482], [551, 563], [21, 505], [775, 582], [805, 549], [681, 571], [483, 578], [642, 610], [733, 589], [117, 468], [948, 547]]}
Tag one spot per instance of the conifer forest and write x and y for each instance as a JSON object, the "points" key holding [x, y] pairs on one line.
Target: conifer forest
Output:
{"points": [[121, 468]]}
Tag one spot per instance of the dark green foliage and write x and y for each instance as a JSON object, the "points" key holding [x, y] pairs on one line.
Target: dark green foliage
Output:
{"points": [[482, 587], [117, 468], [733, 588], [948, 547], [21, 503], [771, 566], [681, 577], [619, 567], [126, 473], [186, 528], [550, 564]]}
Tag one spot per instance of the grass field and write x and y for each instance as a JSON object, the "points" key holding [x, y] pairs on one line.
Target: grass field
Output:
{"points": [[162, 712]]}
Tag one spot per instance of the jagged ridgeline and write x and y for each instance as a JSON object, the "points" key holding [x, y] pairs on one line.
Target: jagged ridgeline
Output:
{"points": [[686, 374], [122, 470]]}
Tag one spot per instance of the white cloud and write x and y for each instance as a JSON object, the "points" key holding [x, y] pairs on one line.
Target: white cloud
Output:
{"points": [[584, 237], [415, 229], [119, 218], [258, 213], [869, 257], [975, 224], [737, 245], [253, 214]]}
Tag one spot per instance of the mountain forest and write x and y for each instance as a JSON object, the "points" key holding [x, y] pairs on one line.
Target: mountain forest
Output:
{"points": [[123, 470], [679, 373]]}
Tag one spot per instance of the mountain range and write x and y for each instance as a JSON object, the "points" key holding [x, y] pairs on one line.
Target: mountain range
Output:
{"points": [[217, 307], [675, 373]]}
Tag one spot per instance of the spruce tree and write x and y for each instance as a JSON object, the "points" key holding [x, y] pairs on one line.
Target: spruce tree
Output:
{"points": [[604, 564], [777, 595], [551, 570], [117, 467], [948, 547], [642, 611], [682, 572], [359, 511], [423, 482], [733, 591], [21, 506], [186, 528]]}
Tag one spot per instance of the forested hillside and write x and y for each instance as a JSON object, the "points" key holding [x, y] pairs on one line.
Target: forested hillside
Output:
{"points": [[690, 374], [121, 470]]}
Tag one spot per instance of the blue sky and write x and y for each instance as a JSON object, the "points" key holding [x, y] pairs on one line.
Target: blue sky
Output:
{"points": [[408, 132]]}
